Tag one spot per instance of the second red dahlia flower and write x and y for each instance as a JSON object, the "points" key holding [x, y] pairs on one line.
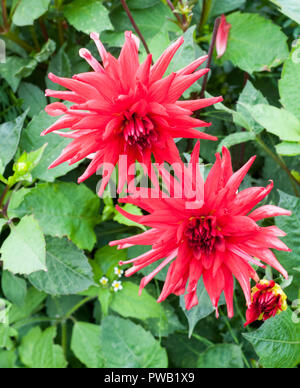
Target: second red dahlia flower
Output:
{"points": [[218, 239], [123, 107], [268, 300]]}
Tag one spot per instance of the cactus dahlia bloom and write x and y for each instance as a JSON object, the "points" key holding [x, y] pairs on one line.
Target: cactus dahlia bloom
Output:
{"points": [[268, 300], [123, 107], [218, 240]]}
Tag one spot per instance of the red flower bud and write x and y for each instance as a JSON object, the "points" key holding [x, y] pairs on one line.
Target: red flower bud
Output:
{"points": [[268, 300], [222, 36]]}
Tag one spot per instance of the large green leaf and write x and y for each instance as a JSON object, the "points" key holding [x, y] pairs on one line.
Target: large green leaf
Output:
{"points": [[288, 148], [280, 122], [29, 10], [291, 226], [129, 346], [128, 303], [236, 138], [277, 342], [290, 8], [68, 270], [10, 136], [31, 140], [64, 209], [86, 344], [11, 70], [221, 356], [23, 252], [88, 17], [245, 48], [38, 351], [224, 6], [250, 96], [33, 98], [14, 288], [290, 80], [32, 304]]}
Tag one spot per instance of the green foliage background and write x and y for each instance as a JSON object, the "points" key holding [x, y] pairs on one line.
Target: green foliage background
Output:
{"points": [[54, 312]]}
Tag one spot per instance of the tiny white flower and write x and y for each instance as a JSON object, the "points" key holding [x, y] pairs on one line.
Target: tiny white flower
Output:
{"points": [[118, 271], [103, 281], [117, 285]]}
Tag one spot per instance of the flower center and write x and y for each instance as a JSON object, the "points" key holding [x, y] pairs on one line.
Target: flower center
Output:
{"points": [[268, 302], [139, 132], [203, 234]]}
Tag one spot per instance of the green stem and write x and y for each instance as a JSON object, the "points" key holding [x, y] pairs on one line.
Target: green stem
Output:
{"points": [[281, 163], [35, 38], [235, 339], [26, 322], [2, 198], [205, 341], [206, 7], [77, 307], [15, 38], [64, 338], [4, 14]]}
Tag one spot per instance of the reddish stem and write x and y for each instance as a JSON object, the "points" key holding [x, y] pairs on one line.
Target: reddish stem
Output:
{"points": [[137, 30]]}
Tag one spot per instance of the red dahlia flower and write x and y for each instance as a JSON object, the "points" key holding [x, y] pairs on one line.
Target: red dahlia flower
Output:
{"points": [[268, 300], [217, 240], [126, 108]]}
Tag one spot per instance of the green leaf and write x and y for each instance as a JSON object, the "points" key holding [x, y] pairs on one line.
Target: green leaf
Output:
{"points": [[223, 356], [166, 324], [23, 252], [60, 306], [14, 288], [33, 98], [6, 335], [277, 342], [290, 80], [38, 351], [291, 226], [280, 122], [68, 269], [24, 165], [32, 304], [245, 48], [202, 310], [250, 96], [88, 17], [28, 11], [236, 138], [13, 66], [105, 297], [290, 8], [31, 140], [130, 346], [86, 344], [288, 148], [10, 137], [106, 259], [224, 6], [46, 51], [64, 209], [8, 359], [128, 303], [132, 209]]}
